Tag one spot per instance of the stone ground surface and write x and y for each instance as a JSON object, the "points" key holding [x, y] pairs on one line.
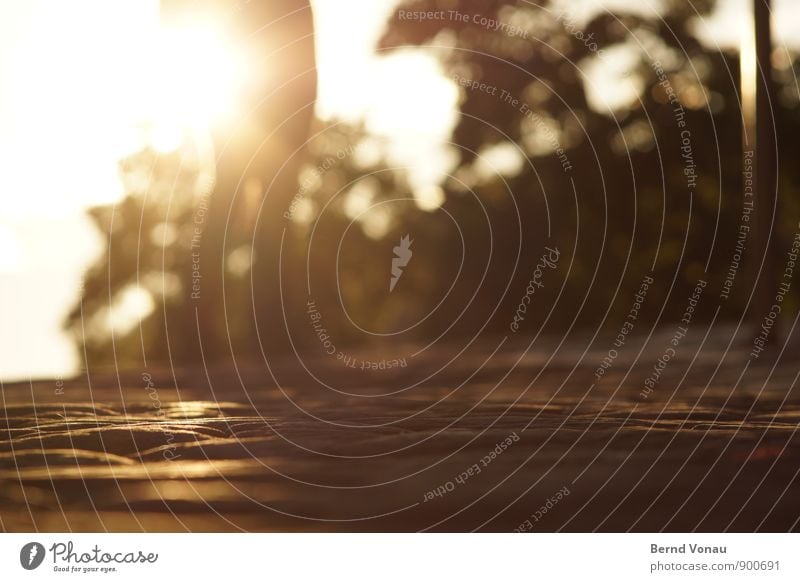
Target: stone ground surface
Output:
{"points": [[715, 446]]}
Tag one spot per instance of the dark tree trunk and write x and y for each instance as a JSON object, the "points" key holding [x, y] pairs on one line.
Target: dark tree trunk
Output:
{"points": [[258, 157]]}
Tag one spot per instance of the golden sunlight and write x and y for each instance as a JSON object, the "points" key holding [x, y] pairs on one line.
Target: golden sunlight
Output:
{"points": [[199, 73]]}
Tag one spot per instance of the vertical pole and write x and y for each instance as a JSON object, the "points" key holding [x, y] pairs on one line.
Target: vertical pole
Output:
{"points": [[766, 180]]}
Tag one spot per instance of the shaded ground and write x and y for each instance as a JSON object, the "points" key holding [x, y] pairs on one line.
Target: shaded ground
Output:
{"points": [[714, 447]]}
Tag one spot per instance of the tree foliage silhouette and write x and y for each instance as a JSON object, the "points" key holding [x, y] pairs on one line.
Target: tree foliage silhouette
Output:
{"points": [[543, 163]]}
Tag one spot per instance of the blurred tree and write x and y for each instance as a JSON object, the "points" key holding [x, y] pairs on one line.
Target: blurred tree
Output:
{"points": [[227, 242], [629, 132], [146, 269], [614, 137], [258, 156]]}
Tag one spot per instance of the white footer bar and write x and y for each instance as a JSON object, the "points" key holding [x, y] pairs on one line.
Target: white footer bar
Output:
{"points": [[401, 557]]}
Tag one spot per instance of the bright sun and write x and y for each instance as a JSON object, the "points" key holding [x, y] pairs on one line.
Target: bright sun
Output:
{"points": [[198, 76]]}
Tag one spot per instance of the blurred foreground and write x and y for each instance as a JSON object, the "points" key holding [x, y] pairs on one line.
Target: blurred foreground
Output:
{"points": [[713, 448]]}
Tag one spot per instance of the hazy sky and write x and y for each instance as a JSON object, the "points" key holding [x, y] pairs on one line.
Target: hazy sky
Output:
{"points": [[78, 78]]}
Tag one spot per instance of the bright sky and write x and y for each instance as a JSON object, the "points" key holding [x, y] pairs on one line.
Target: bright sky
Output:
{"points": [[78, 83]]}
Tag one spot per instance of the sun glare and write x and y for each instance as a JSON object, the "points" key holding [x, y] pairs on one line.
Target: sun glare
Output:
{"points": [[199, 74]]}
